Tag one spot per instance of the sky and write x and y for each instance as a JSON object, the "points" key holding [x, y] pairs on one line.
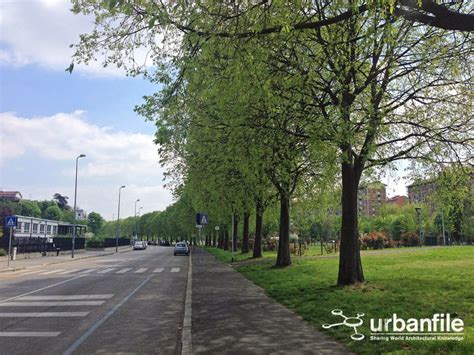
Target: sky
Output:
{"points": [[48, 117]]}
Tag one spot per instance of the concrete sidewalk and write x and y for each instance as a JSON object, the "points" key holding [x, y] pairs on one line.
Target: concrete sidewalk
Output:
{"points": [[232, 315], [24, 261]]}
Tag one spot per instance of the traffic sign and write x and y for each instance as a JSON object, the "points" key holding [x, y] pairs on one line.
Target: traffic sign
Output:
{"points": [[202, 219], [10, 221]]}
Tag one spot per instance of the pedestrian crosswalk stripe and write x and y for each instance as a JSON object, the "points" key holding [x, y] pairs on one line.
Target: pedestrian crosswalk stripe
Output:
{"points": [[32, 272], [69, 271], [42, 314], [67, 297], [123, 271], [141, 270], [52, 272], [86, 271], [159, 269], [106, 270], [175, 269], [29, 334], [56, 303]]}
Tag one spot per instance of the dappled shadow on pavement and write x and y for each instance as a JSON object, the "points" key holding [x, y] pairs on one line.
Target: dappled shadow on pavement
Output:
{"points": [[232, 315]]}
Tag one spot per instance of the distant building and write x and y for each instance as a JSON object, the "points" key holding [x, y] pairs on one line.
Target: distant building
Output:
{"points": [[11, 195], [397, 200], [420, 191], [80, 214], [371, 197], [32, 227]]}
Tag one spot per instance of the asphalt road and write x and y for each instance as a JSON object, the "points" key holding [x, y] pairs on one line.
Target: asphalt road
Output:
{"points": [[123, 303]]}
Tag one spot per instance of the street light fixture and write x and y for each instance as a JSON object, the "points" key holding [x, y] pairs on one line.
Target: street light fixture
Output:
{"points": [[418, 214], [75, 196], [135, 229], [138, 221], [118, 220]]}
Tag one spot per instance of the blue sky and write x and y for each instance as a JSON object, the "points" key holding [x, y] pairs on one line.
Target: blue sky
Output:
{"points": [[48, 117]]}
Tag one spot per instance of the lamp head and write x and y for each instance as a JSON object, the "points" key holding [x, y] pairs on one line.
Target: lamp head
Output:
{"points": [[82, 156], [122, 187]]}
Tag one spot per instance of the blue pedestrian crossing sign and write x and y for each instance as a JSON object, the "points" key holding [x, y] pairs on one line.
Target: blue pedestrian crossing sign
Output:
{"points": [[10, 221], [201, 219]]}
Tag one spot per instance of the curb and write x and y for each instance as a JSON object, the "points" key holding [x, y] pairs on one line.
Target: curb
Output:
{"points": [[186, 334], [61, 261]]}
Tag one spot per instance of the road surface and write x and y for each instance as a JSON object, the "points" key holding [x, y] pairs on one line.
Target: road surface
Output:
{"points": [[123, 303]]}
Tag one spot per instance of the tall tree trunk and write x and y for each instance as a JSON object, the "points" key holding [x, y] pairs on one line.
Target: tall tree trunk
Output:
{"points": [[245, 234], [257, 245], [234, 237], [214, 239], [350, 265], [220, 240], [283, 257], [226, 239]]}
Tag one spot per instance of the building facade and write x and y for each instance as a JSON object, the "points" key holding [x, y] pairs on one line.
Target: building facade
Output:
{"points": [[397, 200], [32, 227], [11, 195], [371, 197]]}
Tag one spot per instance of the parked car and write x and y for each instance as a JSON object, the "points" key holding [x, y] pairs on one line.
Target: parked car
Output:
{"points": [[181, 248], [139, 245], [165, 243]]}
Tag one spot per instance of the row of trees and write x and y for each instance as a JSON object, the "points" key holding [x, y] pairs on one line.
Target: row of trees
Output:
{"points": [[275, 101]]}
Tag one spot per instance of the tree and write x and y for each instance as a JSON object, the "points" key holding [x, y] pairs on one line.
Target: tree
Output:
{"points": [[29, 208], [374, 86], [53, 212], [95, 222], [61, 201]]}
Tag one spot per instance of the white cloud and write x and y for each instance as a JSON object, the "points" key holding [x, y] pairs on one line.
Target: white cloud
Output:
{"points": [[113, 158], [40, 32]]}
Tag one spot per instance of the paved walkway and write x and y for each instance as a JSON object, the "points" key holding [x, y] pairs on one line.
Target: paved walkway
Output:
{"points": [[35, 259], [231, 315]]}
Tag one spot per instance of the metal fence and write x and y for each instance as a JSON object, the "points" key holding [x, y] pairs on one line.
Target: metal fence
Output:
{"points": [[38, 244]]}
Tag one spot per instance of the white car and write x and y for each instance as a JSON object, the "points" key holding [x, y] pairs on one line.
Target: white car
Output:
{"points": [[139, 245]]}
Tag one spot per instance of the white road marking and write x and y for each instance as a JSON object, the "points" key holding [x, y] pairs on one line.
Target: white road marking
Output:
{"points": [[159, 269], [52, 272], [41, 289], [32, 272], [86, 271], [58, 303], [141, 270], [123, 271], [176, 269], [93, 328], [29, 334], [69, 271], [42, 314], [66, 297], [106, 270]]}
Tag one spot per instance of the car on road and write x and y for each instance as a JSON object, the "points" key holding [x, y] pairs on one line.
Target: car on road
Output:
{"points": [[139, 245], [181, 248], [165, 243]]}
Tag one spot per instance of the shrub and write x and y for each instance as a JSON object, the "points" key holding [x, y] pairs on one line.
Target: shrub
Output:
{"points": [[3, 252], [95, 243], [376, 240], [410, 239]]}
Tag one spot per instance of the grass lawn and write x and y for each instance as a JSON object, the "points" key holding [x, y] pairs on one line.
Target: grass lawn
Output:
{"points": [[411, 282]]}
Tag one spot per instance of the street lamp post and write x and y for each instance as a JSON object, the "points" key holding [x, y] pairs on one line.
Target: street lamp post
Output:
{"points": [[118, 220], [138, 222], [75, 196], [418, 214], [135, 215]]}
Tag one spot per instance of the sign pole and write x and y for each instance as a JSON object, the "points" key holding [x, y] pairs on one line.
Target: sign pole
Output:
{"points": [[9, 248]]}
